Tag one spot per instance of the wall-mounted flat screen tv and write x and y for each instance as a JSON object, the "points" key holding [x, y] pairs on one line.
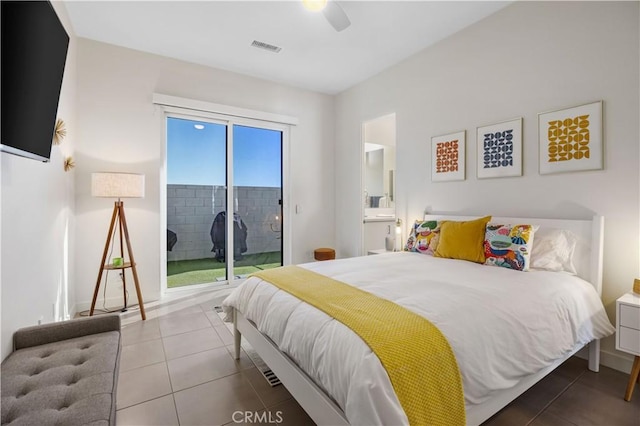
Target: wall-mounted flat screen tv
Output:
{"points": [[34, 50]]}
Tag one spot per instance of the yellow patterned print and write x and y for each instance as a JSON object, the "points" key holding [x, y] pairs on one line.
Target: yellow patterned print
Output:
{"points": [[416, 355], [569, 139]]}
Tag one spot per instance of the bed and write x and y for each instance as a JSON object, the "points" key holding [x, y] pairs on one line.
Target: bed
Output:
{"points": [[501, 344]]}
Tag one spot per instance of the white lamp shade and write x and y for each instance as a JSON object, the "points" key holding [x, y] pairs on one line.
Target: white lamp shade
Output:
{"points": [[117, 185]]}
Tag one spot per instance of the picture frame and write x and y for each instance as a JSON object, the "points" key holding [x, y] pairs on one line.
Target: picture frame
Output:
{"points": [[499, 151], [448, 157], [571, 139]]}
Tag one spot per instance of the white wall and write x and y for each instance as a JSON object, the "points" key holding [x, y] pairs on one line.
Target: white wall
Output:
{"points": [[528, 58], [121, 130], [38, 224], [381, 131]]}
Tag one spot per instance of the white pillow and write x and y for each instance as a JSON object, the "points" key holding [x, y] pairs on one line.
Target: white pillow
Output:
{"points": [[553, 250]]}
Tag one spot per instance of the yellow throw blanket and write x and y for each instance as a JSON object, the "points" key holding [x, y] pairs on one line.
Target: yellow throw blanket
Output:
{"points": [[415, 354]]}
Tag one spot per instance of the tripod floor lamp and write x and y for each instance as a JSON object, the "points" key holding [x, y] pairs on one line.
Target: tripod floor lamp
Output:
{"points": [[118, 185]]}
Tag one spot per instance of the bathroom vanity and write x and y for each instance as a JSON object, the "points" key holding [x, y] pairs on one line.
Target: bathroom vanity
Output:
{"points": [[376, 228]]}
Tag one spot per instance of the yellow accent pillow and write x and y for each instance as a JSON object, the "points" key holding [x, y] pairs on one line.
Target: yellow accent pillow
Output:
{"points": [[463, 240]]}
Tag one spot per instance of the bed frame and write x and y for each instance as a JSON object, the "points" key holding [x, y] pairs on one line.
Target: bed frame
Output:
{"points": [[324, 411]]}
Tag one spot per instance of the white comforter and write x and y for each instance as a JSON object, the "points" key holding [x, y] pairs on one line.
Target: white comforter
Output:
{"points": [[501, 324]]}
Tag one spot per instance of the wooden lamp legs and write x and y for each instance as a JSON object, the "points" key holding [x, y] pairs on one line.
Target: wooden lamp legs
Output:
{"points": [[119, 217]]}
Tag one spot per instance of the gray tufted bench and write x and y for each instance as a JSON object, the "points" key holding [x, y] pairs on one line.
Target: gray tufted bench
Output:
{"points": [[63, 373]]}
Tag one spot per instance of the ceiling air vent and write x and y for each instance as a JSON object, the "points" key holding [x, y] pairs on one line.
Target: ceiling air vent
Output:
{"points": [[266, 46]]}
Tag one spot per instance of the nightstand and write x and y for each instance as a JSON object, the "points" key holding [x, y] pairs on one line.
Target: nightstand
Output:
{"points": [[628, 334]]}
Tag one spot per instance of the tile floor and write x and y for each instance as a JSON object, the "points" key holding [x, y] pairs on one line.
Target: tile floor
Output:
{"points": [[177, 369], [573, 395]]}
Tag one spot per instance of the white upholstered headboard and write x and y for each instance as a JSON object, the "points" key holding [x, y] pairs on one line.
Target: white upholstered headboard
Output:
{"points": [[588, 254]]}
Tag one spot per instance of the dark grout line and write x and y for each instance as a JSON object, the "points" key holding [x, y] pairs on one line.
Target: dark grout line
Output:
{"points": [[283, 401], [143, 402], [175, 407], [204, 383], [254, 389], [196, 353], [555, 399]]}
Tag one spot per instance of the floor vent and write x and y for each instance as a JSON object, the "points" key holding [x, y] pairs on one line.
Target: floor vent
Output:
{"points": [[266, 46], [271, 377], [262, 367]]}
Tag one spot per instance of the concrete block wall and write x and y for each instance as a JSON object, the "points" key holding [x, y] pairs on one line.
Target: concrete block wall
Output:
{"points": [[191, 210]]}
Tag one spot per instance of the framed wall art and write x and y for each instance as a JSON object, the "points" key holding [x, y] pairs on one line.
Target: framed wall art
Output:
{"points": [[447, 157], [500, 149], [571, 139]]}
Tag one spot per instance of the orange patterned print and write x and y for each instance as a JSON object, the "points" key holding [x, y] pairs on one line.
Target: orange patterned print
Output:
{"points": [[447, 156]]}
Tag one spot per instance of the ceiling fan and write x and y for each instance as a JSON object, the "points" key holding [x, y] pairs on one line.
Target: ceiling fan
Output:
{"points": [[331, 10]]}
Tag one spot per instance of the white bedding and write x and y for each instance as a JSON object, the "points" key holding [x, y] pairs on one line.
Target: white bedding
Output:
{"points": [[501, 324]]}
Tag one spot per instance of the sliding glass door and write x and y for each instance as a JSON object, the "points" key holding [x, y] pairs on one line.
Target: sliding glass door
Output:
{"points": [[257, 194], [204, 159]]}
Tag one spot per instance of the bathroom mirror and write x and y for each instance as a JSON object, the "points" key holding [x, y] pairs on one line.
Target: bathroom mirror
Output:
{"points": [[379, 163]]}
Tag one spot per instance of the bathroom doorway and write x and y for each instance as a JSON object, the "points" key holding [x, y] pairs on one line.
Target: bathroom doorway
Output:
{"points": [[378, 182]]}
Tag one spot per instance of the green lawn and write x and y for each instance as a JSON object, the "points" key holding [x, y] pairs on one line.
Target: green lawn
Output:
{"points": [[197, 271]]}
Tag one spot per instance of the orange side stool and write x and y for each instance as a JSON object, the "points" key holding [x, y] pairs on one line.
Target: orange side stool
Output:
{"points": [[324, 254]]}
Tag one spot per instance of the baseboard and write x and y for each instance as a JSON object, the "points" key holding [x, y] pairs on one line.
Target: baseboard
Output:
{"points": [[153, 301], [616, 360], [115, 302], [72, 311], [111, 303]]}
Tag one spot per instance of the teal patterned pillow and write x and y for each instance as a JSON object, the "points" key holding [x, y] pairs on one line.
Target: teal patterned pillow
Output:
{"points": [[423, 237], [508, 246]]}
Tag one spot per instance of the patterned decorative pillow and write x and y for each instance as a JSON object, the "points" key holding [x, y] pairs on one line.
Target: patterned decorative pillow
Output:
{"points": [[423, 237], [508, 246]]}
